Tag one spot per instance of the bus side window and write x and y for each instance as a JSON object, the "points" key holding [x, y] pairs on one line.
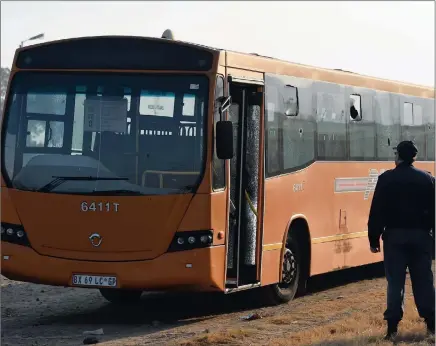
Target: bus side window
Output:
{"points": [[413, 128], [218, 166], [291, 103], [407, 114], [429, 118], [355, 108], [387, 125]]}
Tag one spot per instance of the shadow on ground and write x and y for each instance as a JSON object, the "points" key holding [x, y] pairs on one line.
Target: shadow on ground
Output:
{"points": [[404, 339], [331, 280]]}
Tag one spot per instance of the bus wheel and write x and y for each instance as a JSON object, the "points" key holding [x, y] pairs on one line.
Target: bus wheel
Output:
{"points": [[286, 290], [120, 296]]}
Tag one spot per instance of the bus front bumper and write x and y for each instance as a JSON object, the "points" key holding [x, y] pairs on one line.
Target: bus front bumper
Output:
{"points": [[201, 269]]}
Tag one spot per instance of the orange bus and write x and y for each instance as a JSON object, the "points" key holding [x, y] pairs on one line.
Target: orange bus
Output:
{"points": [[133, 164]]}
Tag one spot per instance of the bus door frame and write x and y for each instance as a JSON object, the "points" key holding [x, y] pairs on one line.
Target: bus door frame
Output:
{"points": [[233, 278]]}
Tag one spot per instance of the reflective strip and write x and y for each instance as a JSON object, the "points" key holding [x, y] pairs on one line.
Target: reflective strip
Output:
{"points": [[337, 237], [269, 247]]}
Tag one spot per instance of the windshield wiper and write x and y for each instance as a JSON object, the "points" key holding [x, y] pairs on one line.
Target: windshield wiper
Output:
{"points": [[60, 180], [188, 188]]}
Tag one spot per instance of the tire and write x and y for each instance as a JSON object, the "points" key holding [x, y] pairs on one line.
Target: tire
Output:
{"points": [[293, 281], [120, 296]]}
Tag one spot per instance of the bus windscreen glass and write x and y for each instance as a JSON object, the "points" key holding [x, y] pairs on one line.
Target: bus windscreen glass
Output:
{"points": [[127, 133]]}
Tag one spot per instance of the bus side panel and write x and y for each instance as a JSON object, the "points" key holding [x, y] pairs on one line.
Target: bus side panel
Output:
{"points": [[197, 217], [207, 211], [359, 251], [335, 200], [324, 165], [219, 216], [356, 250], [8, 212], [270, 267], [314, 201], [337, 220]]}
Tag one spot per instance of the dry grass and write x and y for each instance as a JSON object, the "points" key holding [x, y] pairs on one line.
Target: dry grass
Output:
{"points": [[351, 315], [363, 327], [230, 337]]}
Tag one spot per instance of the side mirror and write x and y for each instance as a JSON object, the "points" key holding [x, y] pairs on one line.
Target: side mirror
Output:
{"points": [[225, 103], [224, 140]]}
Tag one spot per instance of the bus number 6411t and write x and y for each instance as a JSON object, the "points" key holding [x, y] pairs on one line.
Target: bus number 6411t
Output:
{"points": [[99, 206]]}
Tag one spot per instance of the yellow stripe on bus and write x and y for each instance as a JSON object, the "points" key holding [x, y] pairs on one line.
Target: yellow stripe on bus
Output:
{"points": [[320, 240], [339, 237], [270, 247]]}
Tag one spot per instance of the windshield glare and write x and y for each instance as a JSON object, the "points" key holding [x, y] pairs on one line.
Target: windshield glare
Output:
{"points": [[146, 130]]}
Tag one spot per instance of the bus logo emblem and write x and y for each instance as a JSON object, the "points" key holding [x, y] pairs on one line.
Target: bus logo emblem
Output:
{"points": [[95, 239]]}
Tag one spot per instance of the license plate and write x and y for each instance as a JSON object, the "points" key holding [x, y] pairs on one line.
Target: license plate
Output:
{"points": [[94, 280]]}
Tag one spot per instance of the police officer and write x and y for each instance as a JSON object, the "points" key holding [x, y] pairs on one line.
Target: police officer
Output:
{"points": [[403, 213]]}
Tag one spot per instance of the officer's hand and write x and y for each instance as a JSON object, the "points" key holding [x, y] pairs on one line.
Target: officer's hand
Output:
{"points": [[374, 249]]}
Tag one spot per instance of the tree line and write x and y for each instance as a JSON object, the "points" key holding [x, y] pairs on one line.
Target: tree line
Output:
{"points": [[5, 72]]}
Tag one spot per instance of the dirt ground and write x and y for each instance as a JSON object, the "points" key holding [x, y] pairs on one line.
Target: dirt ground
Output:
{"points": [[340, 309]]}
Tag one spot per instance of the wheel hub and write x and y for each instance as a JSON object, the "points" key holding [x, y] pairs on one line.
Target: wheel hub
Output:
{"points": [[289, 267]]}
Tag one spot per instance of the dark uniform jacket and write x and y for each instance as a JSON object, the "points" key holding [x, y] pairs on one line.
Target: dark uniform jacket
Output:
{"points": [[404, 198]]}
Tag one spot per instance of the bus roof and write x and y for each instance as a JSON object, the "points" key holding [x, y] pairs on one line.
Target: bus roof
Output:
{"points": [[280, 61], [271, 65], [265, 64]]}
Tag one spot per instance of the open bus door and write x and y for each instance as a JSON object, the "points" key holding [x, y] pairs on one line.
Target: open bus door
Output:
{"points": [[246, 186]]}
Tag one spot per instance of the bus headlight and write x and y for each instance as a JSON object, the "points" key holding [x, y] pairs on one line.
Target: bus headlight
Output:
{"points": [[206, 239], [14, 234], [183, 241]]}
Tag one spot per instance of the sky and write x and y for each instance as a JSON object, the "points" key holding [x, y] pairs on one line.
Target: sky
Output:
{"points": [[392, 40]]}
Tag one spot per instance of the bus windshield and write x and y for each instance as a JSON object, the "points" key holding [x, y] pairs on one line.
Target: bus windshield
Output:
{"points": [[138, 133]]}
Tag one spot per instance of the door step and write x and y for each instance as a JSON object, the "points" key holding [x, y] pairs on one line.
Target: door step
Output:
{"points": [[241, 288]]}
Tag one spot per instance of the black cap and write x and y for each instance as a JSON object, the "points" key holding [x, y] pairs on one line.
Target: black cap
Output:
{"points": [[407, 150]]}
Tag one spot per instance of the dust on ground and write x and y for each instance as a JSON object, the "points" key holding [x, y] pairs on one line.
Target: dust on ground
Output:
{"points": [[342, 308]]}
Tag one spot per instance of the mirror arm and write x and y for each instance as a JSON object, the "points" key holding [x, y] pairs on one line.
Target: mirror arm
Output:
{"points": [[225, 105]]}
